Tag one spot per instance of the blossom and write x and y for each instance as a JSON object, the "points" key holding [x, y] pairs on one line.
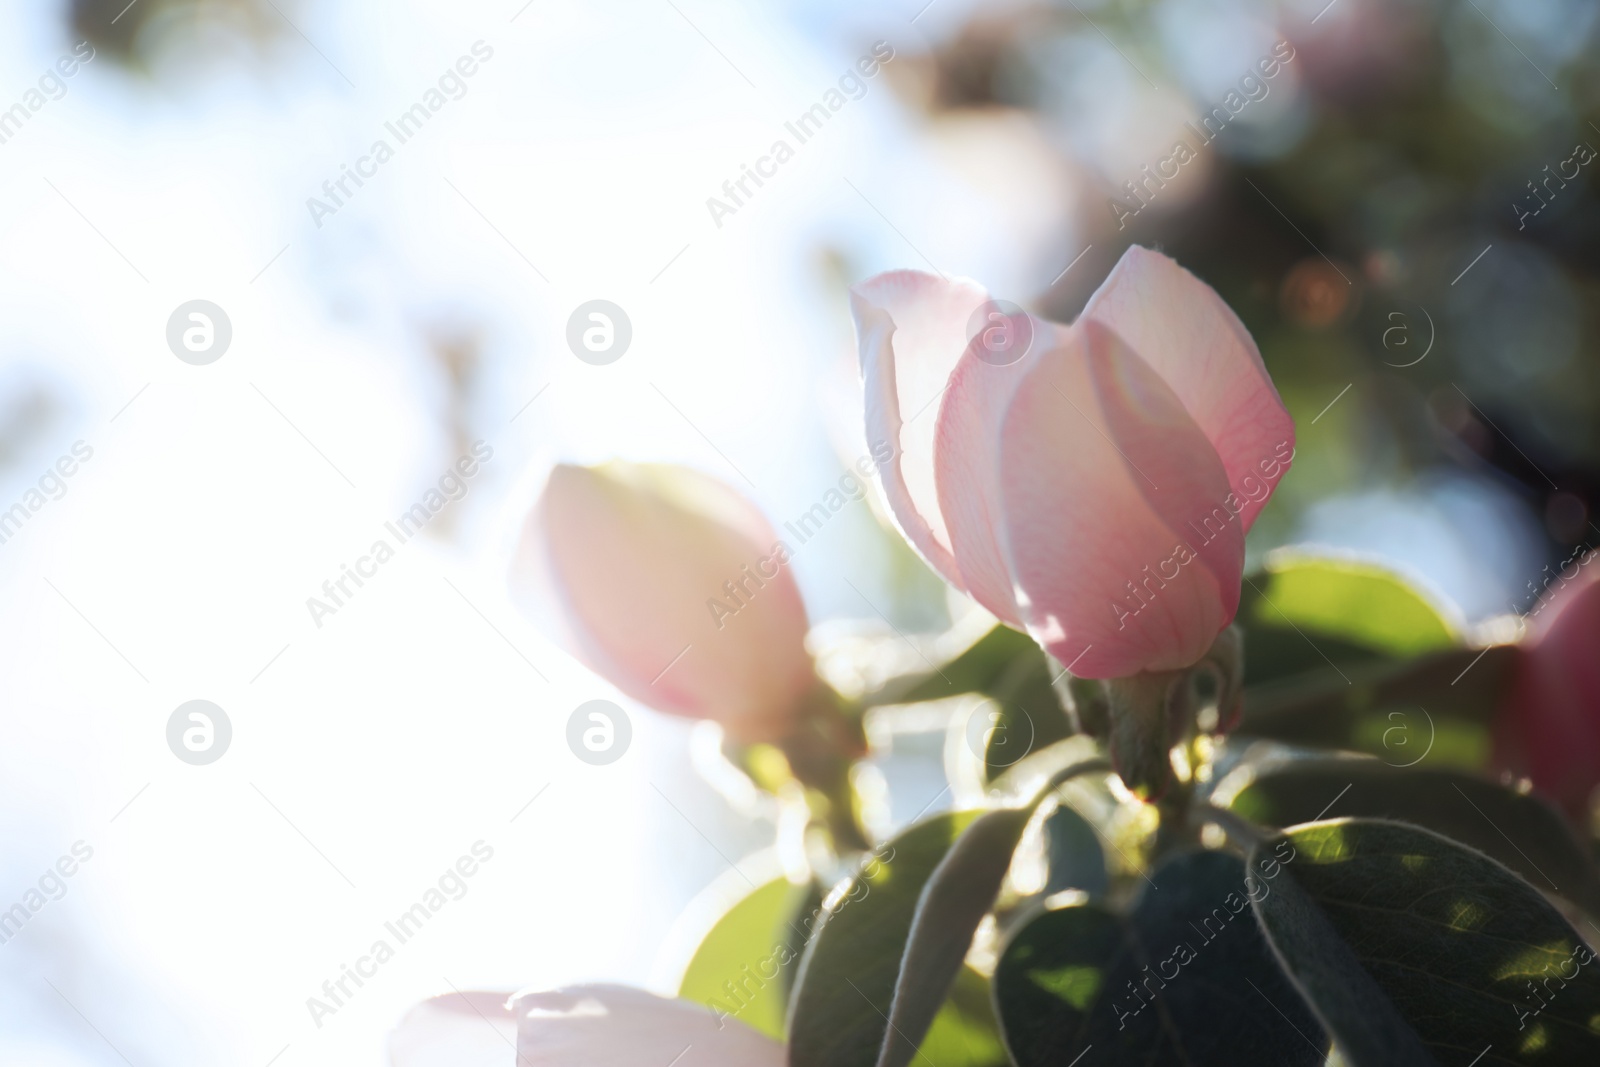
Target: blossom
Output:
{"points": [[1091, 484], [674, 588]]}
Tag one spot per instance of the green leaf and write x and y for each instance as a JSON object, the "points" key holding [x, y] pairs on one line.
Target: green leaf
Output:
{"points": [[958, 894], [848, 973], [1389, 709], [1034, 774], [1031, 715], [1519, 830], [965, 1033], [977, 669], [1074, 858], [1414, 949], [897, 932], [1304, 611], [732, 969], [1186, 980]]}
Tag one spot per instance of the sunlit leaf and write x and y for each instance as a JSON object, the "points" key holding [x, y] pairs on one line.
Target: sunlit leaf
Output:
{"points": [[897, 934], [1306, 612], [958, 894], [965, 1033], [745, 964], [848, 973], [1415, 949], [1519, 830]]}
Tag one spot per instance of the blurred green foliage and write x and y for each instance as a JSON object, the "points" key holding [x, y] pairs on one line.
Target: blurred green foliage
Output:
{"points": [[1406, 133]]}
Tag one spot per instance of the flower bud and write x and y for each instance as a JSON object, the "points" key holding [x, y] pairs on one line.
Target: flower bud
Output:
{"points": [[672, 587]]}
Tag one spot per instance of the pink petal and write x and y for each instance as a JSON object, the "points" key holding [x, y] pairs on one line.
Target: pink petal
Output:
{"points": [[966, 463], [1184, 330], [636, 556], [614, 1026], [456, 1030], [1550, 726], [1103, 474], [912, 329]]}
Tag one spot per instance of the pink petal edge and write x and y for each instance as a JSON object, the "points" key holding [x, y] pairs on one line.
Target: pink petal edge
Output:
{"points": [[617, 1026], [1188, 335], [911, 329], [473, 1029]]}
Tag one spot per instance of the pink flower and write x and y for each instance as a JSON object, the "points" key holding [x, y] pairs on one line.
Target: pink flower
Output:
{"points": [[672, 587], [584, 1026], [1093, 486], [1549, 725]]}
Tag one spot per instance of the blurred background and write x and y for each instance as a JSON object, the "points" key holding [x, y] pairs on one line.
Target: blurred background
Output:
{"points": [[1402, 212]]}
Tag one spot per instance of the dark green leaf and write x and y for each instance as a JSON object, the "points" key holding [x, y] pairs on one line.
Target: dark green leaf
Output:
{"points": [[1415, 949], [897, 932], [806, 913], [978, 669], [1031, 716], [848, 973], [958, 895], [1186, 980], [1518, 830], [1389, 709], [1074, 857]]}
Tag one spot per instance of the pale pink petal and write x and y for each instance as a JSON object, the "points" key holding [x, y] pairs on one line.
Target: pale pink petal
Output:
{"points": [[674, 589], [912, 328], [614, 1026], [456, 1030], [1106, 486], [966, 462], [1193, 340]]}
